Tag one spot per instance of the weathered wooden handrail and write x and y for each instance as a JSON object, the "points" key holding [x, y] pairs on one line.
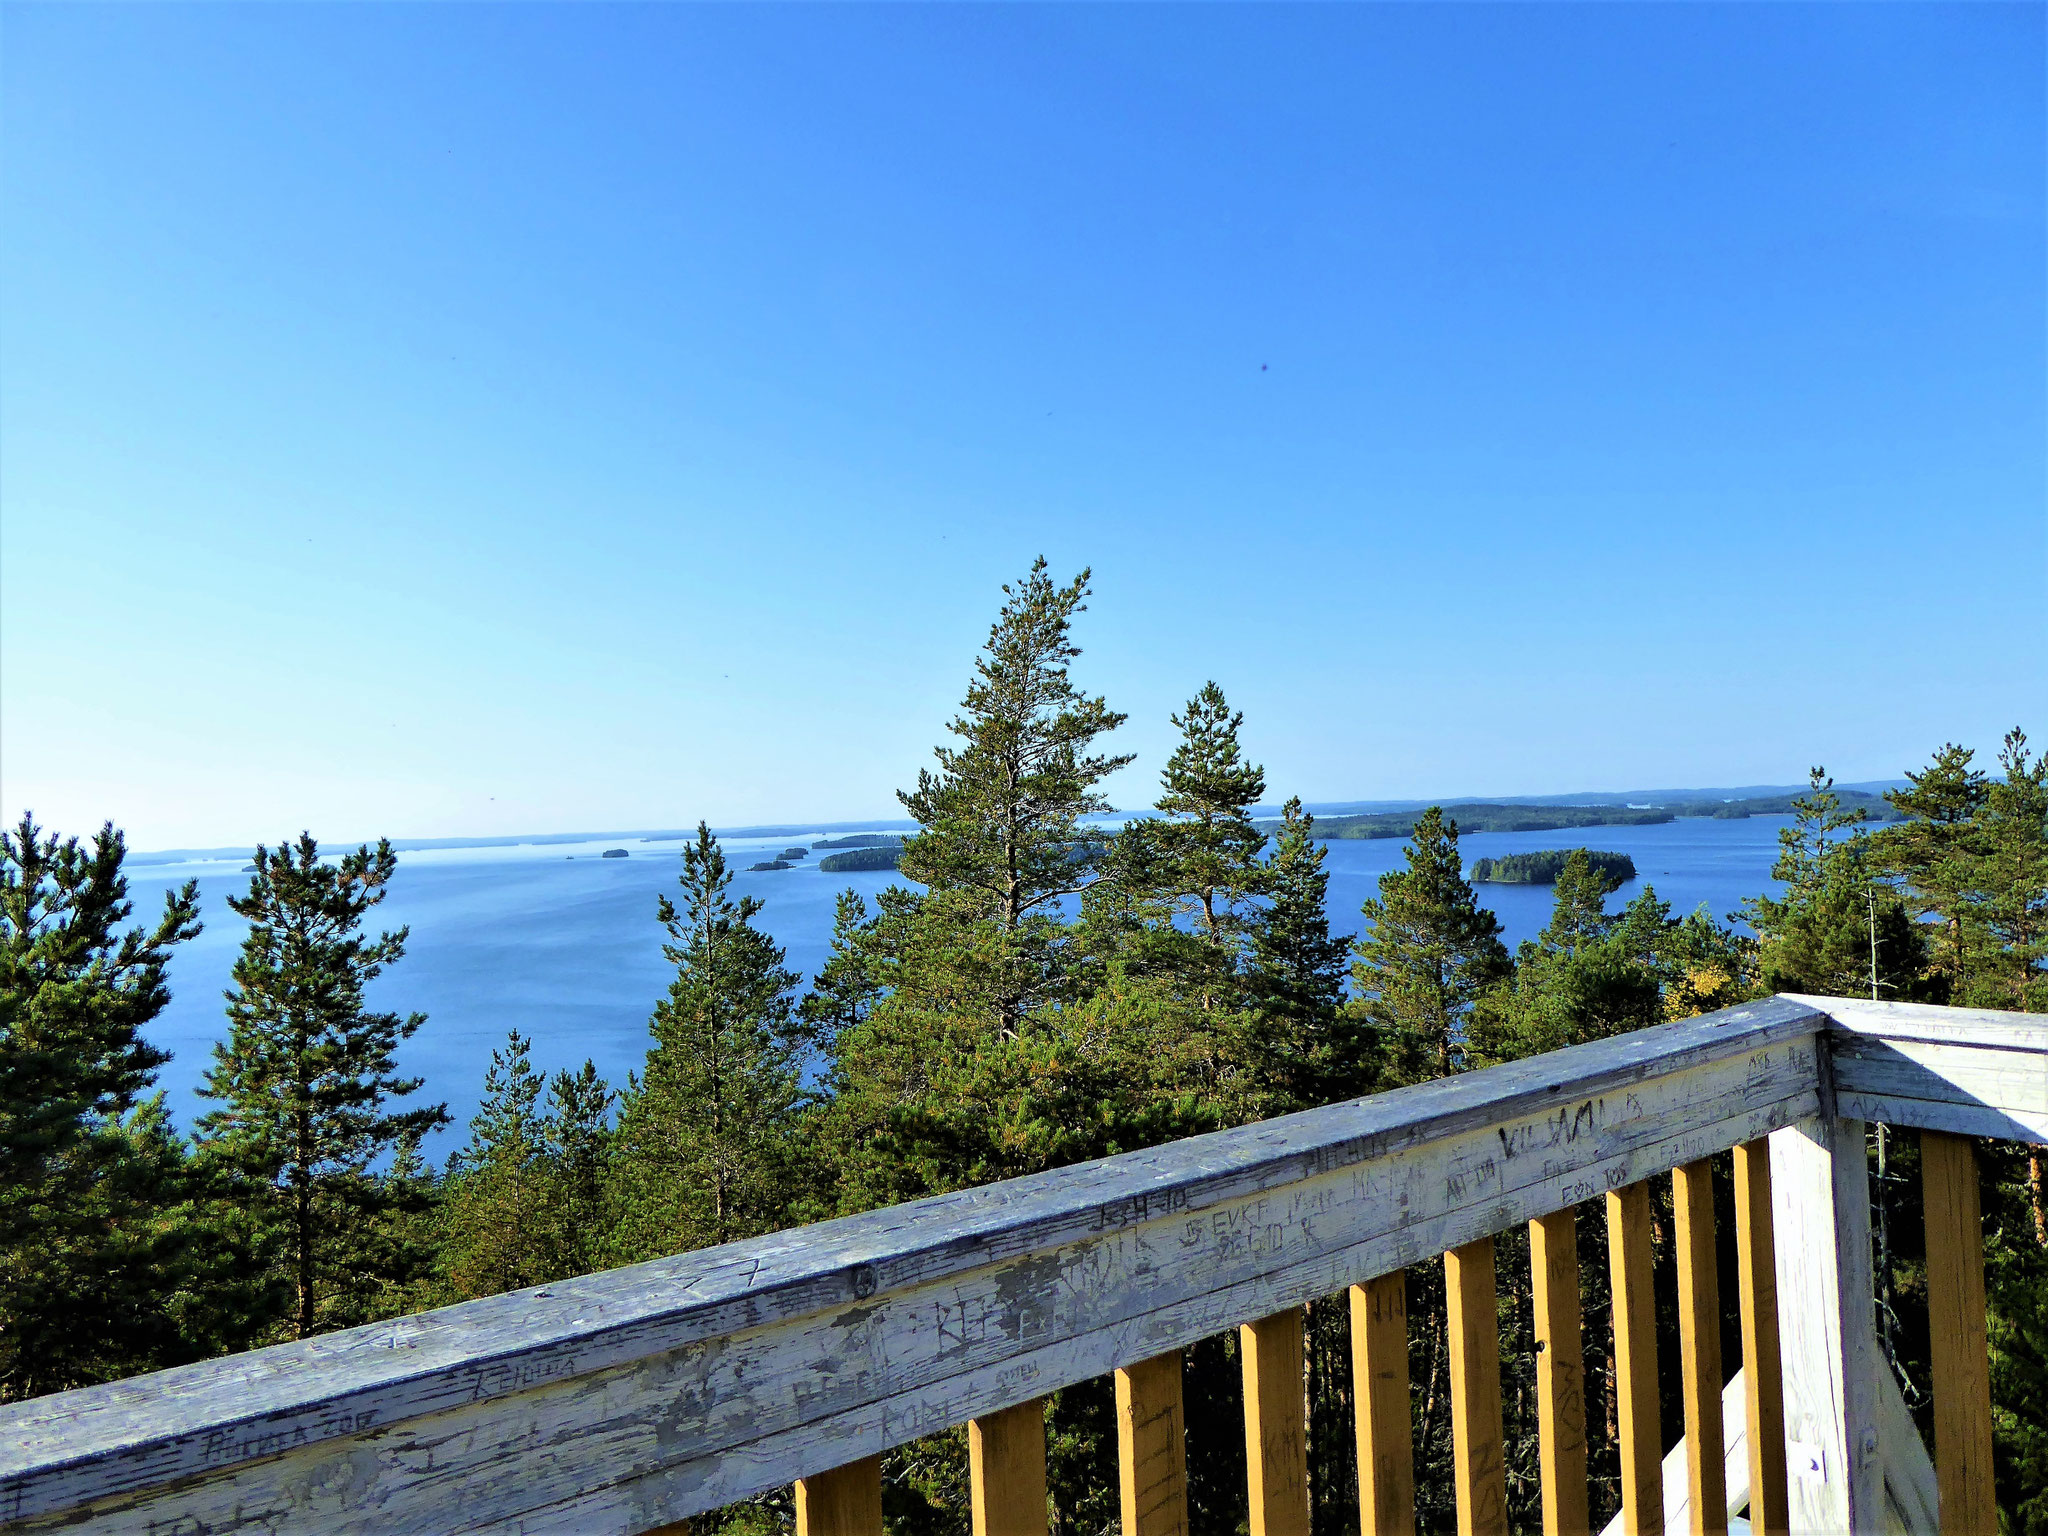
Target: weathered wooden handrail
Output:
{"points": [[631, 1399]]}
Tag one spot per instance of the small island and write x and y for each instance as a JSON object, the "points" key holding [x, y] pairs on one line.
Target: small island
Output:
{"points": [[613, 853], [1544, 867], [754, 869], [861, 840], [794, 853], [861, 858]]}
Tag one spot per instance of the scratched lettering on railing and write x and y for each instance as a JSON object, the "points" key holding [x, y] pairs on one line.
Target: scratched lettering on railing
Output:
{"points": [[517, 1375]]}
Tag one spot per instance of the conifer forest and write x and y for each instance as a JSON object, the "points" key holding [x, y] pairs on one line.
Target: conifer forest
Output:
{"points": [[1046, 985]]}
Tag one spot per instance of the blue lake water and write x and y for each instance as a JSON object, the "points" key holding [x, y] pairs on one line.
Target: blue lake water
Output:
{"points": [[563, 945]]}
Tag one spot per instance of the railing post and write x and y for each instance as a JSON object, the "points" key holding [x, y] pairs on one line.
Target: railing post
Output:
{"points": [[1480, 1468], [1006, 1471], [1959, 1353], [1560, 1373], [1763, 1379], [1275, 1426], [1152, 1447], [1379, 1385], [1635, 1361], [847, 1501], [1820, 1203], [1699, 1338]]}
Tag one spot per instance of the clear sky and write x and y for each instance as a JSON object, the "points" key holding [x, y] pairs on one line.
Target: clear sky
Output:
{"points": [[473, 419]]}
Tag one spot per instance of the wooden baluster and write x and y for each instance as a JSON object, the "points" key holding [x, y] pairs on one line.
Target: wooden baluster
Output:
{"points": [[1006, 1471], [1560, 1373], [1152, 1447], [1275, 1427], [1763, 1389], [1635, 1361], [1958, 1353], [1481, 1472], [1379, 1383], [847, 1501], [1699, 1342]]}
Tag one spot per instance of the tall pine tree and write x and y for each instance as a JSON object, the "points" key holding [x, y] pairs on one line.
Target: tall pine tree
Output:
{"points": [[1209, 790], [306, 1080], [92, 1182]]}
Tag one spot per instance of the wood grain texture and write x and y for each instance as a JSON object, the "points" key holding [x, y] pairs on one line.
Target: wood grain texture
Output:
{"points": [[1152, 1478], [1560, 1374], [1006, 1471], [1763, 1397], [847, 1501], [1635, 1360], [1379, 1385], [1275, 1425], [1820, 1202], [1699, 1340], [1979, 1089], [1959, 1353], [1479, 1461]]}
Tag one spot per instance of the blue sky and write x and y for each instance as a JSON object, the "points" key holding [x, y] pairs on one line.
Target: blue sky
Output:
{"points": [[471, 419]]}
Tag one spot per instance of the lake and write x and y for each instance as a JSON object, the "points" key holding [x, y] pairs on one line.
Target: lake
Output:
{"points": [[563, 945]]}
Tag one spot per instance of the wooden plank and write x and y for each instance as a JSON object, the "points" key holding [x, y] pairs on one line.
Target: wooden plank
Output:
{"points": [[1820, 1190], [1699, 1340], [1001, 1351], [1677, 1470], [1379, 1384], [203, 1419], [1635, 1360], [1958, 1352], [1275, 1426], [1763, 1399], [1479, 1463], [1560, 1373], [1006, 1471], [1929, 1021], [847, 1501], [1976, 1089], [1912, 1493], [1152, 1474]]}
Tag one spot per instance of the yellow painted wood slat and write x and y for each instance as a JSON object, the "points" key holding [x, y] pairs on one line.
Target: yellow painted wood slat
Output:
{"points": [[1560, 1374], [1958, 1352], [1699, 1343], [1763, 1378], [1479, 1468], [847, 1501], [1275, 1428], [1379, 1384], [1152, 1447], [1635, 1361], [1006, 1471]]}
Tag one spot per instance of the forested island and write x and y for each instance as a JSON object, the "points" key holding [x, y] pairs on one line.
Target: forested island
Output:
{"points": [[1543, 868], [769, 864], [861, 858], [862, 840], [1492, 816], [1040, 990]]}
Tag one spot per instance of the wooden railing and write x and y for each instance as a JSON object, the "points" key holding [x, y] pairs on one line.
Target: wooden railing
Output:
{"points": [[630, 1400]]}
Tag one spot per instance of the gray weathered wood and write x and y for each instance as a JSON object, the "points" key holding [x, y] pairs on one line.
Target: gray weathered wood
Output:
{"points": [[1820, 1195], [623, 1400], [1968, 1071]]}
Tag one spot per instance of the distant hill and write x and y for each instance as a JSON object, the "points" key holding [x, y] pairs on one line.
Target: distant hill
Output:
{"points": [[861, 840], [1530, 816]]}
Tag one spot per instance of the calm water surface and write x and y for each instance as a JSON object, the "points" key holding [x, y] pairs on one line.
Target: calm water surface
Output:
{"points": [[563, 945]]}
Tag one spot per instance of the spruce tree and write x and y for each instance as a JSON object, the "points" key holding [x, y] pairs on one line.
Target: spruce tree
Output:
{"points": [[1209, 790], [850, 982], [1937, 851], [1304, 1048], [305, 1081], [1002, 843], [707, 1148], [1430, 950], [2014, 880], [93, 1240], [494, 1237], [579, 1159]]}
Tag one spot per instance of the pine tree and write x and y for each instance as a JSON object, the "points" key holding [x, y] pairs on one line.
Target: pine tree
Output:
{"points": [[850, 981], [1210, 841], [579, 1160], [1430, 950], [1002, 844], [305, 1079], [494, 1232], [707, 1147], [2014, 881], [92, 1182]]}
